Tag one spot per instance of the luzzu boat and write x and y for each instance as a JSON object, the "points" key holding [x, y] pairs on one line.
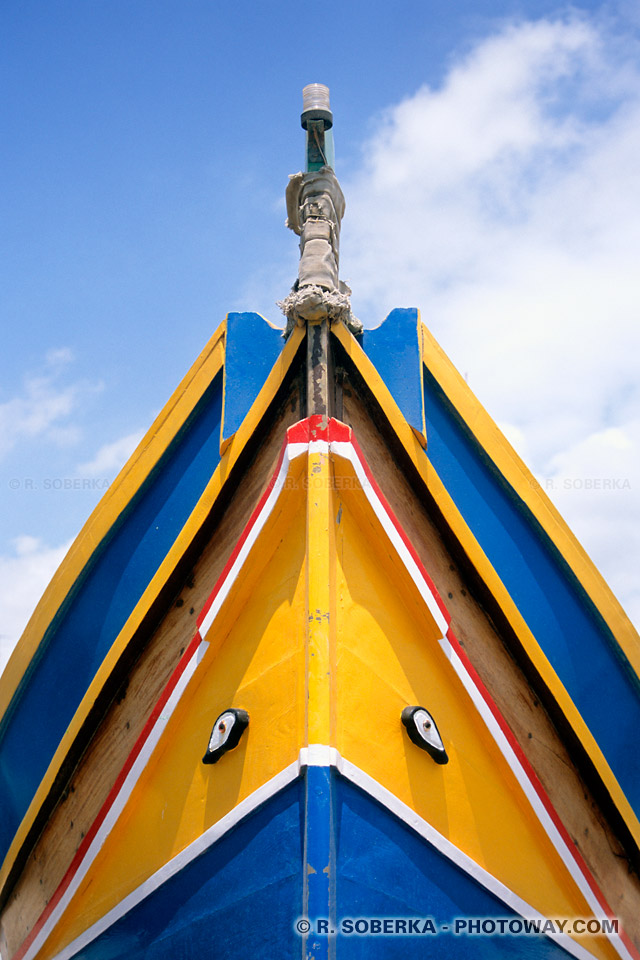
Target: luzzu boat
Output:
{"points": [[325, 673]]}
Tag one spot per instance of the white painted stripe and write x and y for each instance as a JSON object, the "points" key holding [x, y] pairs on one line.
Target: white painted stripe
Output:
{"points": [[531, 793], [244, 551], [296, 449], [319, 446], [317, 755], [118, 805], [311, 756], [348, 452], [290, 452], [453, 853], [179, 862]]}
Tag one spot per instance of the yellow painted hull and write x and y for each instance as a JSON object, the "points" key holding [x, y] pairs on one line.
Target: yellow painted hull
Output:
{"points": [[307, 605], [324, 626]]}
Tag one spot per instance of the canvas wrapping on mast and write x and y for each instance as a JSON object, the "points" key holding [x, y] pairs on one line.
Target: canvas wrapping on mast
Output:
{"points": [[315, 208]]}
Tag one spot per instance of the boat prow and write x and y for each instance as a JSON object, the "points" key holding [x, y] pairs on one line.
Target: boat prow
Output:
{"points": [[324, 675]]}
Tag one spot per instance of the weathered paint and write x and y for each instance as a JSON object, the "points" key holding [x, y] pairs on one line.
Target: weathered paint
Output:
{"points": [[318, 387], [321, 652]]}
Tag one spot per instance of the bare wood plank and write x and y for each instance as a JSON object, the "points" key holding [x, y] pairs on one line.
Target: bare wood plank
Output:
{"points": [[94, 777], [318, 363], [529, 721]]}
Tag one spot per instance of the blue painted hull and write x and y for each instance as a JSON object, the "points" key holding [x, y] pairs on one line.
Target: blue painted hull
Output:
{"points": [[321, 850], [98, 607], [553, 604], [243, 897], [238, 899]]}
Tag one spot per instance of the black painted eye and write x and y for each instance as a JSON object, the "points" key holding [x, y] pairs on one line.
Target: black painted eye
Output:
{"points": [[226, 733], [423, 731]]}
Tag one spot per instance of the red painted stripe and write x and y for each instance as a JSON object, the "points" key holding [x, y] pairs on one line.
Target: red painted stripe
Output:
{"points": [[245, 533], [298, 433], [537, 785], [317, 427], [506, 729], [111, 797], [312, 428], [399, 530], [157, 710]]}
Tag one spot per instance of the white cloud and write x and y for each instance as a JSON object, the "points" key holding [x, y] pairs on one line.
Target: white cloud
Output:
{"points": [[24, 575], [59, 357], [594, 484], [111, 457], [506, 204], [44, 406]]}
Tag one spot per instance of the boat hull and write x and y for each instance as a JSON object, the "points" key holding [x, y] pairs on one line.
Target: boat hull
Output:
{"points": [[325, 591], [391, 893]]}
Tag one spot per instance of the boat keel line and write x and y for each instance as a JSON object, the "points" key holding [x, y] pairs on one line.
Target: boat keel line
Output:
{"points": [[316, 434]]}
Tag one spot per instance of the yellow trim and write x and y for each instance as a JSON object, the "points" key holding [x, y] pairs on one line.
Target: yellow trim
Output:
{"points": [[389, 658], [145, 457], [406, 434], [225, 441], [524, 484], [256, 647], [184, 538], [485, 570]]}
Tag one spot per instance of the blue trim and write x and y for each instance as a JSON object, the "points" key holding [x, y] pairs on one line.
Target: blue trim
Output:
{"points": [[96, 610], [252, 346], [394, 350], [578, 644]]}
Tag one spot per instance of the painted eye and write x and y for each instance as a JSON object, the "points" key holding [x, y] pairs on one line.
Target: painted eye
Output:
{"points": [[423, 731], [226, 733]]}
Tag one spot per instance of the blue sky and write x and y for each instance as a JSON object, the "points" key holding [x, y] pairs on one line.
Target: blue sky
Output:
{"points": [[488, 152]]}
